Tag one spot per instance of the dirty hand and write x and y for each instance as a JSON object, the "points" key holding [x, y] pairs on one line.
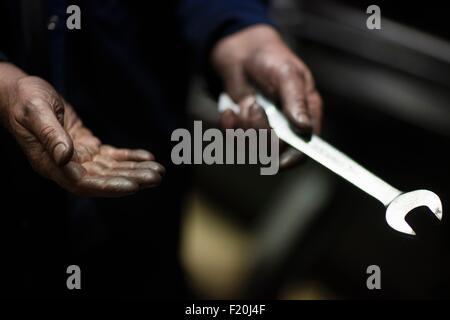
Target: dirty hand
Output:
{"points": [[257, 57], [60, 148]]}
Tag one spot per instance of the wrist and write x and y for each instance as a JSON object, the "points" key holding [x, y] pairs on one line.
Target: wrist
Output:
{"points": [[9, 75], [238, 46]]}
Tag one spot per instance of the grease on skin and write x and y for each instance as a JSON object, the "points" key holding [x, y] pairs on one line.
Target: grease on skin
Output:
{"points": [[59, 147]]}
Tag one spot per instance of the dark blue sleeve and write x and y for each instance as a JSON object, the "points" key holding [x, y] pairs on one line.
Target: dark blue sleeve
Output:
{"points": [[203, 22], [2, 57]]}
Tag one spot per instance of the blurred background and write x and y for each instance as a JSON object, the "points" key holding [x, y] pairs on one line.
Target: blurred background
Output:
{"points": [[305, 233]]}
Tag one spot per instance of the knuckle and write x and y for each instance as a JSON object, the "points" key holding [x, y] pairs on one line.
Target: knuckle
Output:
{"points": [[23, 84], [288, 70], [297, 101], [32, 106], [36, 94], [28, 111], [48, 134], [298, 98]]}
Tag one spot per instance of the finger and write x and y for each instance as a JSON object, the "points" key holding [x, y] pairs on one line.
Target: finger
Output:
{"points": [[241, 92], [83, 153], [109, 162], [145, 173], [75, 178], [104, 167], [255, 115], [315, 109], [113, 164], [41, 121], [144, 177], [250, 116], [310, 85], [106, 186], [86, 137], [288, 82], [126, 154], [229, 120], [294, 102], [236, 84], [155, 166]]}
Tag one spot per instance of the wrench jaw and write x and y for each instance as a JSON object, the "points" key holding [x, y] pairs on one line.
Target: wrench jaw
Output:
{"points": [[404, 203]]}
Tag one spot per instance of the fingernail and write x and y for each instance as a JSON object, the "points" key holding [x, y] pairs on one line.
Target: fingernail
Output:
{"points": [[304, 121], [303, 125], [161, 170], [247, 101], [145, 155], [59, 152]]}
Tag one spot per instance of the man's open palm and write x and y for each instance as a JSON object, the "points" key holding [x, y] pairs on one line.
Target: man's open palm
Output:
{"points": [[60, 148]]}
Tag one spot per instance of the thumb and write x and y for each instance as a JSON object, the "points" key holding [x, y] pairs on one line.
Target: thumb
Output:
{"points": [[46, 124], [236, 83]]}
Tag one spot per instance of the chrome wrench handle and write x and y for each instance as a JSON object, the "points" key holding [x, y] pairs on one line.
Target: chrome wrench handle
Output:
{"points": [[331, 158]]}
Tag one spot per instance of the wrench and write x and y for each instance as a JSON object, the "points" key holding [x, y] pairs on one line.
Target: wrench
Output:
{"points": [[398, 204]]}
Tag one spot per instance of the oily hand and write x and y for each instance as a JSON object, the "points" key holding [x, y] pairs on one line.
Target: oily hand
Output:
{"points": [[60, 148], [257, 57]]}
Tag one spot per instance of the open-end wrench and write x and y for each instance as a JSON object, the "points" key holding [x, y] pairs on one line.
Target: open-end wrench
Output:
{"points": [[397, 203]]}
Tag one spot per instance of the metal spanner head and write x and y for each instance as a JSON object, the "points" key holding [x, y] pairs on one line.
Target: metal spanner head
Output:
{"points": [[397, 210]]}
